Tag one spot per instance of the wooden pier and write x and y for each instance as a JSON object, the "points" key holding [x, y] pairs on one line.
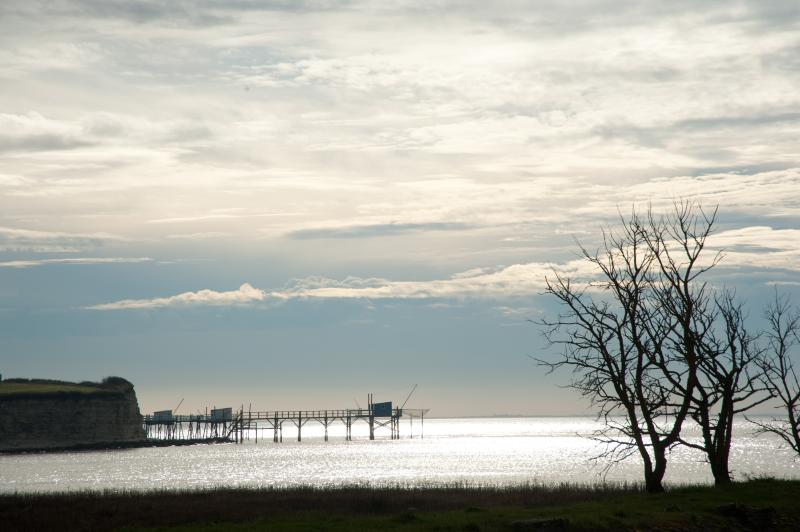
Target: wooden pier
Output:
{"points": [[241, 425]]}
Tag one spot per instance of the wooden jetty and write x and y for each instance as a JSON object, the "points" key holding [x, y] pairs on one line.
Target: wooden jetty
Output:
{"points": [[242, 425]]}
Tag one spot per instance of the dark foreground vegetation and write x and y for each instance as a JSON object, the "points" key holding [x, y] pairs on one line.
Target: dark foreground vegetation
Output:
{"points": [[762, 504]]}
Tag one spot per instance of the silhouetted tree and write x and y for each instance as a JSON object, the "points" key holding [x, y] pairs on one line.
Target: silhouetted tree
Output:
{"points": [[652, 344], [730, 380], [630, 334], [778, 368]]}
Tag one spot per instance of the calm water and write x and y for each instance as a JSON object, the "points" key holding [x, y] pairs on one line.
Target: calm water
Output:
{"points": [[480, 451]]}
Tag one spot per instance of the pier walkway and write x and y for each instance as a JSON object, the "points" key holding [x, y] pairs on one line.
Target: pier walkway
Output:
{"points": [[242, 425]]}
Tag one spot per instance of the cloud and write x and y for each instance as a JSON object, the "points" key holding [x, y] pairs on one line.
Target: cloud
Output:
{"points": [[198, 13], [505, 282], [74, 260], [375, 230], [737, 192], [209, 235], [217, 216], [34, 132], [314, 121], [314, 282], [13, 239], [753, 248], [244, 295], [759, 248], [58, 56]]}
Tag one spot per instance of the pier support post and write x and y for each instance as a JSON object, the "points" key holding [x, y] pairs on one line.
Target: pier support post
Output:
{"points": [[371, 426]]}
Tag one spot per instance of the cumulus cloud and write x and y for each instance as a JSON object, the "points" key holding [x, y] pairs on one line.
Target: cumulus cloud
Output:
{"points": [[752, 248], [244, 295], [503, 282], [314, 282], [516, 280]]}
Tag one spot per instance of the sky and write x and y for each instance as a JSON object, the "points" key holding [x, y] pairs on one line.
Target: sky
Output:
{"points": [[291, 204]]}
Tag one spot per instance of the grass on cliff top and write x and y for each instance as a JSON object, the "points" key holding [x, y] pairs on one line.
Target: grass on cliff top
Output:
{"points": [[31, 387], [10, 388]]}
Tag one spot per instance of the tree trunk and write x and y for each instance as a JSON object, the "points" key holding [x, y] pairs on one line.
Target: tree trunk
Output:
{"points": [[652, 482], [719, 451], [654, 477], [719, 467]]}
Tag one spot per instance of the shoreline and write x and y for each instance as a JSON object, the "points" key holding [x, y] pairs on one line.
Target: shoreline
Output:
{"points": [[113, 446]]}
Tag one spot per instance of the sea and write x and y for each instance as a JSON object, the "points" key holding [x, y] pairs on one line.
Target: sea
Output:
{"points": [[497, 451]]}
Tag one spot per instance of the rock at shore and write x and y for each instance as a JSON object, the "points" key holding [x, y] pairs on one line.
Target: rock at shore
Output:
{"points": [[43, 414]]}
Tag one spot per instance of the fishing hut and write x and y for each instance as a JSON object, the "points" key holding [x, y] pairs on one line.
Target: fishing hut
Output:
{"points": [[268, 424], [164, 425]]}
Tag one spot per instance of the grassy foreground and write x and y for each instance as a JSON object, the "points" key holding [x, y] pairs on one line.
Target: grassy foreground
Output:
{"points": [[754, 505]]}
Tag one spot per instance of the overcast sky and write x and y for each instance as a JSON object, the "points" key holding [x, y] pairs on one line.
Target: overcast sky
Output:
{"points": [[292, 204]]}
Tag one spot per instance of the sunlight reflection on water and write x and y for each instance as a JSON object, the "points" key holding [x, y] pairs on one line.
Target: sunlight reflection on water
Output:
{"points": [[499, 451]]}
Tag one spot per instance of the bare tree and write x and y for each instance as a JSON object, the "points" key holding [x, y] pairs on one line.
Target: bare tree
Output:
{"points": [[630, 336], [783, 335], [730, 380]]}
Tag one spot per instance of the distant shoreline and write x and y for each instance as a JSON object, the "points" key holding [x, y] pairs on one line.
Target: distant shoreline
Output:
{"points": [[112, 446], [529, 416], [490, 416]]}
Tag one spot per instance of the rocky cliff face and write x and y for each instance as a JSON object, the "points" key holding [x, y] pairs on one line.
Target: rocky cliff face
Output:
{"points": [[57, 420]]}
